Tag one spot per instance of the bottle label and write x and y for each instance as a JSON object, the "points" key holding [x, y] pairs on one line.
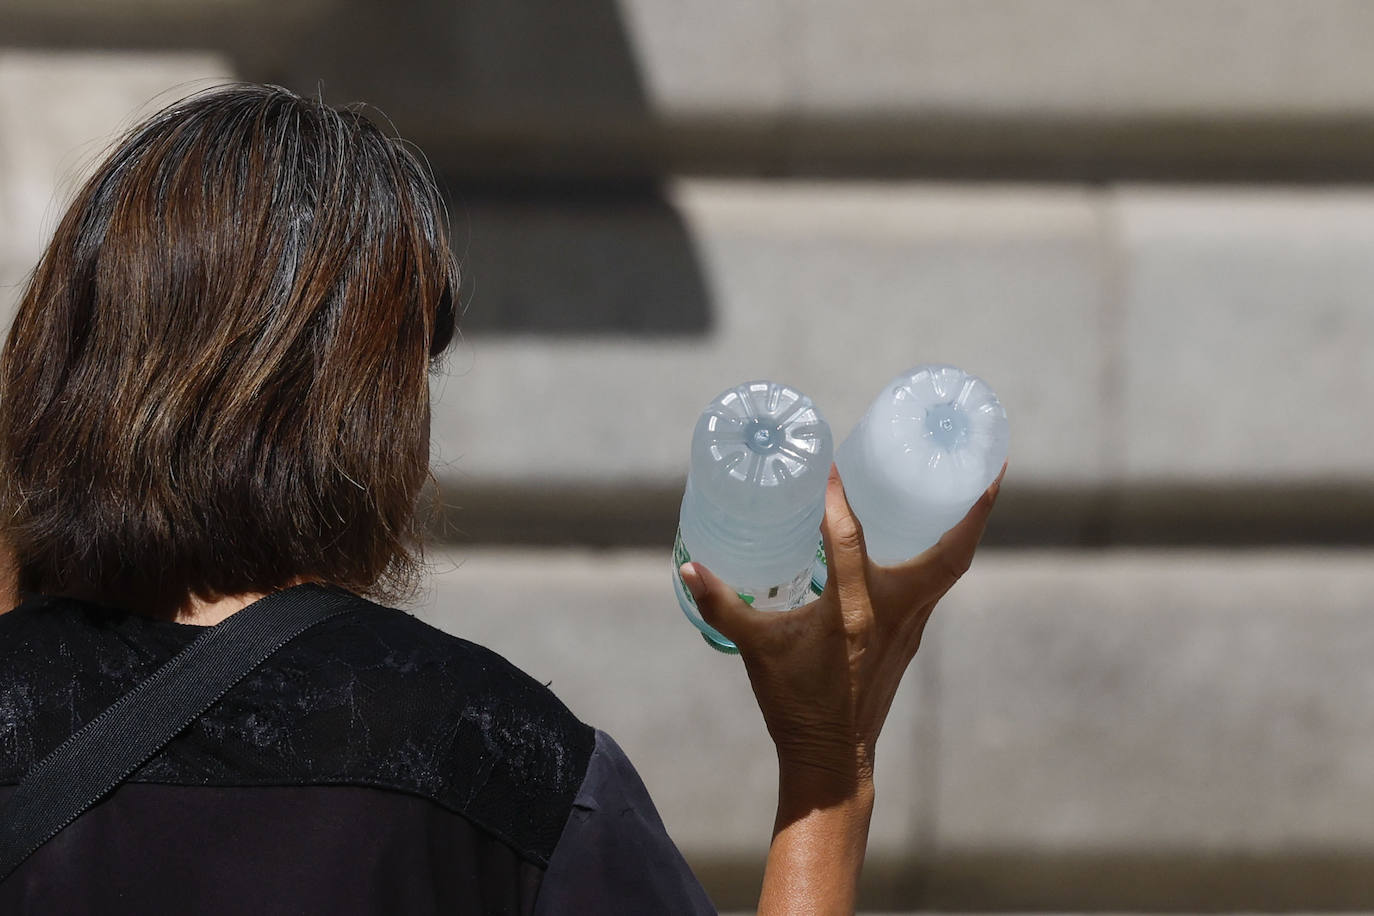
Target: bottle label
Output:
{"points": [[783, 596], [820, 572]]}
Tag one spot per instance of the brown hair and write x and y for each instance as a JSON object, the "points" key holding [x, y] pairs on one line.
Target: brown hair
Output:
{"points": [[217, 379]]}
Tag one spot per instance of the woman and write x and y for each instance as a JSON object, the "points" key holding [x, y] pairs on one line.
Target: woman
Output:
{"points": [[215, 389]]}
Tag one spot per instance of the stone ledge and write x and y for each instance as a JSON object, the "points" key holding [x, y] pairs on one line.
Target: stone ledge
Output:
{"points": [[1246, 329], [1148, 58], [1165, 700], [832, 288], [1046, 89]]}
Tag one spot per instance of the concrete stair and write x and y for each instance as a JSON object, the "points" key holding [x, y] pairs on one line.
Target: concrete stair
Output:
{"points": [[1166, 712]]}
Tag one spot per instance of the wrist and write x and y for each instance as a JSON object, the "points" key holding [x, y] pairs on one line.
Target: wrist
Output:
{"points": [[844, 775], [803, 790]]}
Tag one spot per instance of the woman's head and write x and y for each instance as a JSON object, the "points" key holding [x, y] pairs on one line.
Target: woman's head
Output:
{"points": [[217, 378]]}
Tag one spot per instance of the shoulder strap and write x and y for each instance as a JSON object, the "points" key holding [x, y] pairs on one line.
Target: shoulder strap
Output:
{"points": [[113, 745]]}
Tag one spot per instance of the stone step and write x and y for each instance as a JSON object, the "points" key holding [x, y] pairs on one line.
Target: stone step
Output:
{"points": [[1048, 87], [833, 289], [1140, 337], [1246, 326], [1035, 58], [1125, 730]]}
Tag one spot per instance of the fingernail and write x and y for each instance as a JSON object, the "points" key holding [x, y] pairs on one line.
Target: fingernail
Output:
{"points": [[997, 484], [692, 579]]}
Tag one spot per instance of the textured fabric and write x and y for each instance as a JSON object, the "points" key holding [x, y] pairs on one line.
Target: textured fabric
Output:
{"points": [[373, 766], [373, 698], [98, 758]]}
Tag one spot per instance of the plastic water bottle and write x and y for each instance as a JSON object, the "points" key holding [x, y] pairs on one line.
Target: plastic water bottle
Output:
{"points": [[755, 495], [932, 441]]}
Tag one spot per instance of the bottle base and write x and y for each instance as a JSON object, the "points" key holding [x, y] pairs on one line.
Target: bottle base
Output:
{"points": [[727, 647], [689, 606]]}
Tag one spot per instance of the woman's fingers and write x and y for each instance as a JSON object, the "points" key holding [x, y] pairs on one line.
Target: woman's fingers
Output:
{"points": [[720, 605], [936, 570], [846, 557], [917, 583]]}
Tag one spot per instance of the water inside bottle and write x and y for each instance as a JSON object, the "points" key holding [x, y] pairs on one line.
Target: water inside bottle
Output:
{"points": [[753, 447], [930, 444], [941, 434]]}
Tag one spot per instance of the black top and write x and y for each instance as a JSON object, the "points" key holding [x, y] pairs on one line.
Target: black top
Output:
{"points": [[373, 765]]}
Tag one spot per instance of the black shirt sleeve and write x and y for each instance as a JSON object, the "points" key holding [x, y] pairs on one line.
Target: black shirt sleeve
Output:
{"points": [[614, 855]]}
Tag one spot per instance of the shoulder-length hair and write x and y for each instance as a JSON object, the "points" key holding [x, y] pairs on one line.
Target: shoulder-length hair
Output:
{"points": [[217, 378]]}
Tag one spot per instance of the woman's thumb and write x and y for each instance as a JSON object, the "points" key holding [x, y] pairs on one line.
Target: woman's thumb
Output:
{"points": [[718, 603]]}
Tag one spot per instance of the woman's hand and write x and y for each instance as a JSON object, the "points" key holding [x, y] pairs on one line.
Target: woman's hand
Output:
{"points": [[825, 674]]}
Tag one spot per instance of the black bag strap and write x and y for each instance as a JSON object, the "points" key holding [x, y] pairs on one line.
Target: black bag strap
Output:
{"points": [[113, 745]]}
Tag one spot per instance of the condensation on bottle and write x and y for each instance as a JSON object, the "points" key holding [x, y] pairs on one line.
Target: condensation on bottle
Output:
{"points": [[755, 495], [932, 441]]}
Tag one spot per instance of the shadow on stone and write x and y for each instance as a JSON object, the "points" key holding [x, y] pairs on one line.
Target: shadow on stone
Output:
{"points": [[501, 97], [612, 514], [558, 261]]}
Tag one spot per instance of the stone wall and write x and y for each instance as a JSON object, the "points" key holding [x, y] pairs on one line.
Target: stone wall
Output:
{"points": [[1146, 222]]}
